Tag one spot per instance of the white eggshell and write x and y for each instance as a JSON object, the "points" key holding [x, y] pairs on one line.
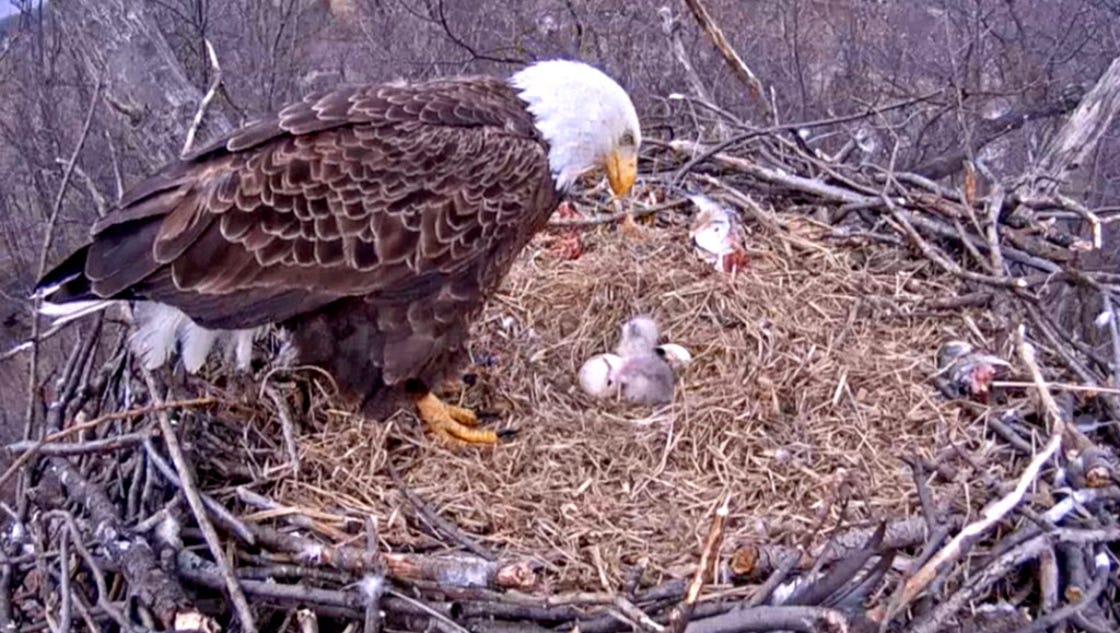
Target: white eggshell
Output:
{"points": [[676, 354], [595, 374]]}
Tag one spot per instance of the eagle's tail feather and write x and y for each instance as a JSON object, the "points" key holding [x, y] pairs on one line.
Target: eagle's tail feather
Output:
{"points": [[64, 313], [67, 281]]}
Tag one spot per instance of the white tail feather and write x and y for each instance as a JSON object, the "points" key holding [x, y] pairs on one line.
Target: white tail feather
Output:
{"points": [[243, 347], [161, 330], [67, 312]]}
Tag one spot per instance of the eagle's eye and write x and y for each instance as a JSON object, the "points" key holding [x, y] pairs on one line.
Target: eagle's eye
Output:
{"points": [[627, 139]]}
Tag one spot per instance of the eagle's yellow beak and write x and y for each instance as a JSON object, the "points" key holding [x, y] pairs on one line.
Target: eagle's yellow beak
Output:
{"points": [[622, 170]]}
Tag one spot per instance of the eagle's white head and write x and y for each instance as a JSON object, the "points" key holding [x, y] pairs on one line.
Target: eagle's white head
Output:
{"points": [[587, 119]]}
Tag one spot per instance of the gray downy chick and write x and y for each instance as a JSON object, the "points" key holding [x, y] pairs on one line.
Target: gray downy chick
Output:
{"points": [[646, 378], [638, 335], [645, 375], [641, 371]]}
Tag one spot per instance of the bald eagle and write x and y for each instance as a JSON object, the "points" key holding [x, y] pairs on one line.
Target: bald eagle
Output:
{"points": [[369, 223]]}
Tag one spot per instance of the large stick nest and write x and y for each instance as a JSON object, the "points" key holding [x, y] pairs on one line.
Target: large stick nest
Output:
{"points": [[810, 374], [809, 442]]}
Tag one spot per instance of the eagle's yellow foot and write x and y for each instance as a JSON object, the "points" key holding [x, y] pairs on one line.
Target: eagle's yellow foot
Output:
{"points": [[453, 424]]}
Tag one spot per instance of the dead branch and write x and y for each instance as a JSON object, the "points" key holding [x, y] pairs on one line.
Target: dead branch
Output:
{"points": [[70, 449], [452, 570], [989, 131], [215, 83], [736, 63], [963, 541], [1003, 566], [287, 426], [1068, 148], [808, 619], [670, 26], [435, 520], [709, 559], [190, 490]]}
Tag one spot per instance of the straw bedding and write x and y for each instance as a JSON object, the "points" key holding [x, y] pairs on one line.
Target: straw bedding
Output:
{"points": [[811, 379]]}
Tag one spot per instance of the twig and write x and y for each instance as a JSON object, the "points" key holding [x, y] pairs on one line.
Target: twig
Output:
{"points": [[1100, 581], [709, 559], [670, 26], [935, 255], [229, 522], [6, 621], [348, 602], [1002, 567], [374, 586], [635, 614], [129, 414], [103, 600], [763, 592], [962, 542], [134, 556], [808, 619], [44, 252], [455, 39], [452, 570], [187, 485], [1114, 335], [928, 510], [1047, 580], [68, 449], [1010, 436], [738, 66], [65, 597], [287, 427], [298, 517], [1056, 424], [215, 81], [98, 199], [433, 519], [994, 206]]}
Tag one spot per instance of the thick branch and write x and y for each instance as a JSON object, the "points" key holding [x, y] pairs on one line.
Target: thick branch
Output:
{"points": [[1077, 139], [736, 63], [989, 131]]}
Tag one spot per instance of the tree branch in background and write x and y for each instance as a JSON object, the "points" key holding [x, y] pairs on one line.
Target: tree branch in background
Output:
{"points": [[738, 66], [142, 74], [671, 27], [989, 131], [1076, 139], [455, 39], [215, 83]]}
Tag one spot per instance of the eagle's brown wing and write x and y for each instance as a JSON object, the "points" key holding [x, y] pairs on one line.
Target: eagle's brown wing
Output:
{"points": [[385, 191]]}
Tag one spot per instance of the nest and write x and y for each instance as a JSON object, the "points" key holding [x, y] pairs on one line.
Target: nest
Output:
{"points": [[833, 459], [811, 373]]}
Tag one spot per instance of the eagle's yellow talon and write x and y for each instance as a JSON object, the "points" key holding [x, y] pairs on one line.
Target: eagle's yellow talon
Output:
{"points": [[453, 424], [462, 415]]}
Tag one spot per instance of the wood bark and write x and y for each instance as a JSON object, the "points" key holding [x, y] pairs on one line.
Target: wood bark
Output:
{"points": [[143, 80], [1077, 139]]}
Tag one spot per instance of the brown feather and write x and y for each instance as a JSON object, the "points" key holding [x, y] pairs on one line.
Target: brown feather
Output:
{"points": [[370, 221]]}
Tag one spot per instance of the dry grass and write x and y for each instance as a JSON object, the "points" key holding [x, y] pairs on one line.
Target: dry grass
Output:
{"points": [[811, 364]]}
